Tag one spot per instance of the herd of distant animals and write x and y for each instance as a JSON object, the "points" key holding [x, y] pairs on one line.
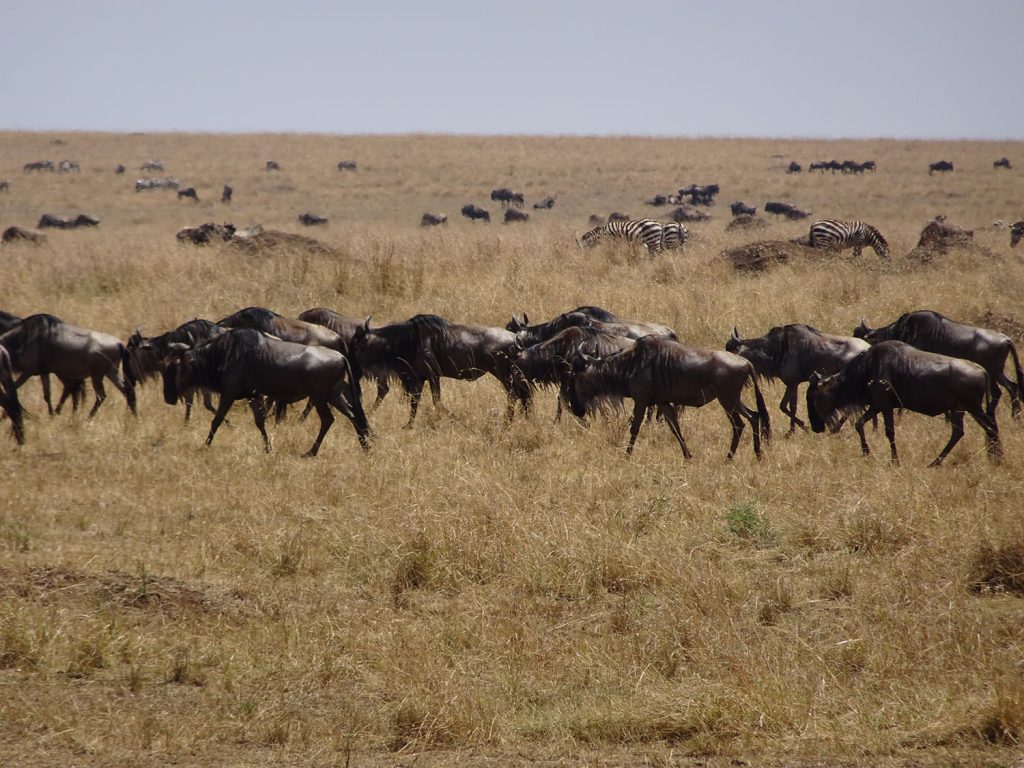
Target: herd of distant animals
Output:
{"points": [[922, 362]]}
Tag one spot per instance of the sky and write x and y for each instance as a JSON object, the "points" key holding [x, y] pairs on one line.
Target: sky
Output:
{"points": [[930, 69]]}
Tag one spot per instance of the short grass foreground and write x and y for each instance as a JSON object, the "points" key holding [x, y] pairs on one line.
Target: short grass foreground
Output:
{"points": [[488, 593]]}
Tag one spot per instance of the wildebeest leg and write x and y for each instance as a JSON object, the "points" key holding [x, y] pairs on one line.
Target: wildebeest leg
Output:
{"points": [[382, 391], [789, 405], [1011, 389], [639, 409], [737, 430], [46, 390], [101, 394], [73, 390], [125, 388], [435, 391], [558, 409], [415, 390], [668, 413], [994, 394], [956, 421], [326, 420], [218, 417], [340, 402], [992, 444], [188, 397], [259, 415], [755, 426], [305, 411], [871, 412], [890, 434]]}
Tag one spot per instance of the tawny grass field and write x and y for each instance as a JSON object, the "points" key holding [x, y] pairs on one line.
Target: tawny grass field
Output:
{"points": [[490, 593]]}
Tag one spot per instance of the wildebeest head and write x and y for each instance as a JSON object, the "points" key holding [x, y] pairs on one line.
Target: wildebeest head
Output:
{"points": [[1016, 233], [765, 353], [178, 372], [823, 401], [516, 324], [862, 331]]}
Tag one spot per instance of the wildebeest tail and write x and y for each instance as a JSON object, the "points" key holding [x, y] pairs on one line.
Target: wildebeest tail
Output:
{"points": [[356, 401], [762, 409], [9, 400], [1018, 374]]}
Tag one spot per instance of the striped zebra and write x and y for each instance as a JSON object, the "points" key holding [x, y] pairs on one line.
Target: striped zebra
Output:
{"points": [[673, 235], [635, 231], [835, 235]]}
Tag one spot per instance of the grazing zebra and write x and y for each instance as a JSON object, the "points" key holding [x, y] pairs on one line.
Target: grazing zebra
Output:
{"points": [[834, 235], [673, 236], [635, 231]]}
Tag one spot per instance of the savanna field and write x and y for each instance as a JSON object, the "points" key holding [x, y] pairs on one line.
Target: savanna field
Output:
{"points": [[478, 592]]}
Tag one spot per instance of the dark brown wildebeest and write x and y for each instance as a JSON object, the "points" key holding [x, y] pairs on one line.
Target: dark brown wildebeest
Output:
{"points": [[272, 165], [247, 364], [544, 205], [942, 166], [473, 213], [73, 389], [513, 215], [348, 165], [146, 355], [1003, 162], [794, 167], [700, 194], [190, 193], [119, 168], [285, 328], [9, 402], [20, 235], [39, 165], [311, 219], [433, 219], [534, 334], [792, 353], [785, 209], [631, 329], [48, 220], [893, 375], [206, 233], [43, 344], [1016, 232], [507, 197], [8, 321], [662, 373], [742, 209], [226, 193], [5, 185], [932, 332], [426, 348]]}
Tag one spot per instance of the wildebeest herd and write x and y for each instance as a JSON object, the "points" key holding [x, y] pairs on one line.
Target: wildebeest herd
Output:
{"points": [[922, 362]]}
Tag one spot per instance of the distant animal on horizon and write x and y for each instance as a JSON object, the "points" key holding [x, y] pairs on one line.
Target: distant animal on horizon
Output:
{"points": [[151, 166], [474, 212], [5, 185], [311, 219], [433, 219], [507, 197], [742, 209], [1003, 162], [68, 166], [513, 215], [190, 193], [941, 167], [785, 209], [119, 168], [167, 183], [347, 165], [833, 235], [48, 220], [546, 204], [19, 234], [794, 167], [39, 165], [272, 165], [225, 195], [1016, 232]]}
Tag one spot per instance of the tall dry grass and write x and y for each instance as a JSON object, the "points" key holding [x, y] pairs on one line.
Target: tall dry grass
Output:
{"points": [[481, 592]]}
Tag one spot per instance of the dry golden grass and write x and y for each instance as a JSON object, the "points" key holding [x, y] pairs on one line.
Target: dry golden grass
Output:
{"points": [[483, 593]]}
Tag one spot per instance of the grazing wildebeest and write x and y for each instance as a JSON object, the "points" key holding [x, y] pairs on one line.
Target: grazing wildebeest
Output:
{"points": [[206, 233], [19, 234], [700, 195], [167, 183], [119, 168], [1003, 162], [146, 356], [151, 166], [942, 166], [537, 333], [1016, 232], [742, 209], [39, 165], [473, 213], [67, 166], [631, 329], [785, 209], [272, 165], [426, 348], [43, 344], [507, 197], [433, 219], [513, 215], [665, 374], [311, 219], [5, 185], [48, 220], [226, 193], [348, 165], [893, 375], [792, 353], [868, 165], [189, 192], [247, 364], [818, 165], [794, 167], [932, 332], [9, 402], [546, 204]]}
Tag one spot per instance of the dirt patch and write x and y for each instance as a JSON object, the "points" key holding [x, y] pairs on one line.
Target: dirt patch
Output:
{"points": [[55, 584], [939, 239], [764, 254], [746, 222], [273, 240]]}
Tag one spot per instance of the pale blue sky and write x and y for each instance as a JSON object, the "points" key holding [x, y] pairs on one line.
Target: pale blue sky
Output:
{"points": [[775, 68]]}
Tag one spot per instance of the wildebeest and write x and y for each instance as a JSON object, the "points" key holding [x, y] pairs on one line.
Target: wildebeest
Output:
{"points": [[347, 165], [48, 220], [190, 192], [507, 197], [39, 165], [5, 185], [1003, 162], [166, 183], [311, 219], [665, 374], [1016, 232], [473, 213], [8, 321], [272, 165], [700, 194], [932, 332], [247, 364], [43, 344], [785, 209], [119, 168], [146, 356], [794, 167], [893, 375], [513, 215], [869, 165], [151, 166], [792, 353], [68, 166], [433, 219], [226, 193], [542, 331], [206, 233], [19, 234], [546, 204], [286, 328], [527, 335], [657, 201], [942, 166], [742, 209], [9, 402]]}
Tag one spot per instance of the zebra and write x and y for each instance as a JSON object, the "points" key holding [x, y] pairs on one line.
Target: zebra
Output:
{"points": [[834, 235], [635, 231], [673, 235]]}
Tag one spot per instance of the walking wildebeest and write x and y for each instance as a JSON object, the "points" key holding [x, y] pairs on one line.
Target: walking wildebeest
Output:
{"points": [[794, 167], [785, 209], [433, 219], [1016, 232], [39, 165], [473, 213], [43, 344], [311, 219], [348, 165], [507, 197], [792, 354], [272, 165], [9, 402], [544, 205], [226, 193], [942, 166], [190, 192], [740, 208], [513, 215], [48, 220], [146, 355], [15, 234], [664, 373], [74, 389], [893, 375], [932, 332], [540, 332], [247, 364], [1003, 162]]}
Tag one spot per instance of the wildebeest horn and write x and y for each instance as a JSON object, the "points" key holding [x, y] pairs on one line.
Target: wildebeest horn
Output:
{"points": [[815, 379], [735, 333], [177, 346], [366, 323]]}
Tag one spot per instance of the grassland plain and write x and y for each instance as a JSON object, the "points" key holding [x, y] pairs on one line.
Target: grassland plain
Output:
{"points": [[482, 593]]}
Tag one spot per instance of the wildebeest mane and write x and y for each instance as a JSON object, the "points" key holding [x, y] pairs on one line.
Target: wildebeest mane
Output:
{"points": [[32, 329], [564, 347], [230, 351], [194, 332], [913, 329]]}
